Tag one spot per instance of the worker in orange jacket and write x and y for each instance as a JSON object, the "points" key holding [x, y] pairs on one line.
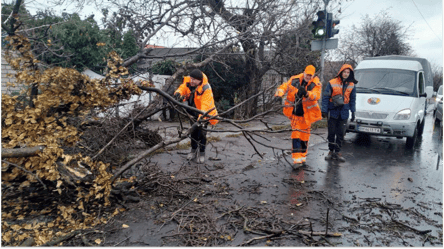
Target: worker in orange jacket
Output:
{"points": [[338, 100], [301, 107], [196, 90]]}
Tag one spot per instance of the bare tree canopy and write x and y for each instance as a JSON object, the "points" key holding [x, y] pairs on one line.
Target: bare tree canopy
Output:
{"points": [[375, 36]]}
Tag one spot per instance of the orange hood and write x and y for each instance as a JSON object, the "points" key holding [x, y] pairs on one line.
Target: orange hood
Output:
{"points": [[350, 78]]}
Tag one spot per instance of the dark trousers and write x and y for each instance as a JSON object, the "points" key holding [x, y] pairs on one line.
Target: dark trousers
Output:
{"points": [[171, 112], [199, 138], [299, 146], [336, 132]]}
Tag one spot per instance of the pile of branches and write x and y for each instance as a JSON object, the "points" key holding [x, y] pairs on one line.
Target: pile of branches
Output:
{"points": [[35, 138], [125, 140]]}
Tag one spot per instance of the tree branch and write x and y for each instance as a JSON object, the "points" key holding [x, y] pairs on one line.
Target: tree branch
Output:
{"points": [[29, 172], [21, 152]]}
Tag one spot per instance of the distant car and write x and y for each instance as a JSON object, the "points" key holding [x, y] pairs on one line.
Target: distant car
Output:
{"points": [[438, 96], [438, 114]]}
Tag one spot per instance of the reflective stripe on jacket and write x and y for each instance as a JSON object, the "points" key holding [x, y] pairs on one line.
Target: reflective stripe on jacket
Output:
{"points": [[312, 111], [203, 96]]}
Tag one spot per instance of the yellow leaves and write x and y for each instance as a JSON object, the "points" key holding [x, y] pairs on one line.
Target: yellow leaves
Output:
{"points": [[49, 120], [98, 241], [147, 83], [25, 184], [6, 236], [27, 226], [226, 237], [81, 205], [32, 127], [8, 121], [15, 227], [125, 226], [116, 212], [73, 106]]}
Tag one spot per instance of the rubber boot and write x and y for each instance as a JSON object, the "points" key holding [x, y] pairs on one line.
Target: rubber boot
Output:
{"points": [[330, 156], [201, 157], [339, 157], [191, 155]]}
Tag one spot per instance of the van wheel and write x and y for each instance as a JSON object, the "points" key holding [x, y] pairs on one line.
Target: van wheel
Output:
{"points": [[421, 127], [412, 140]]}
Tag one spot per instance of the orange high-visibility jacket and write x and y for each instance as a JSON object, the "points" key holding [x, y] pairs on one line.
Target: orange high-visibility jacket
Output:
{"points": [[336, 85], [203, 96], [312, 112]]}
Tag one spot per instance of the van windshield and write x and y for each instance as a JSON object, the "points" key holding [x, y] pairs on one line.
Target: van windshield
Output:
{"points": [[386, 81]]}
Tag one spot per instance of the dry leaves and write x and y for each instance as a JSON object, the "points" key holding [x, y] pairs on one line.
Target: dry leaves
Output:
{"points": [[63, 94]]}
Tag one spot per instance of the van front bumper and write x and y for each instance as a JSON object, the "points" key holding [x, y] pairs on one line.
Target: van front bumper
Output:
{"points": [[380, 128]]}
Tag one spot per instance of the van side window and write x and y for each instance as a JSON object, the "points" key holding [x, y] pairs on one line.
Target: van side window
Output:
{"points": [[421, 83]]}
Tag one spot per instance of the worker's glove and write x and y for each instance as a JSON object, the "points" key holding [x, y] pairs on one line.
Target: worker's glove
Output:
{"points": [[324, 115], [277, 99], [353, 117], [178, 97], [302, 92]]}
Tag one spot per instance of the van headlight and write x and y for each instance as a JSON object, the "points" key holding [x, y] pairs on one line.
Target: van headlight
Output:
{"points": [[403, 115]]}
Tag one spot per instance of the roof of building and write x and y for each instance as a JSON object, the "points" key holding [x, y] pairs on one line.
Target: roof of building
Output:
{"points": [[160, 54], [153, 46]]}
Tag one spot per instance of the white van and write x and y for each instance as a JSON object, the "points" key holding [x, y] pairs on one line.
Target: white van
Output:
{"points": [[391, 98]]}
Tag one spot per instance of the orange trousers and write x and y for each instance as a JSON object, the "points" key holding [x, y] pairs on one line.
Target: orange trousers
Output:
{"points": [[300, 137]]}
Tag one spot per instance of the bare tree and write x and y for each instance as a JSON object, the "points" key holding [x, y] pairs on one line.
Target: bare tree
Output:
{"points": [[268, 34], [437, 76], [375, 36], [260, 25]]}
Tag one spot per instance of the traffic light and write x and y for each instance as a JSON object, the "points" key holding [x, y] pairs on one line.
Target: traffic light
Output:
{"points": [[319, 25], [331, 24]]}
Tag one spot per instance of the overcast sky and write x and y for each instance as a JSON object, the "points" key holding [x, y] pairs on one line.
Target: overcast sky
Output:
{"points": [[424, 17]]}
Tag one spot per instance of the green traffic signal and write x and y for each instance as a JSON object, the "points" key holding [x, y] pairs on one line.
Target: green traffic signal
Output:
{"points": [[318, 32], [319, 25]]}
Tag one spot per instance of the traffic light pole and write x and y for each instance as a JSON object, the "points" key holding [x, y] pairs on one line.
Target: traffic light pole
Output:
{"points": [[323, 46]]}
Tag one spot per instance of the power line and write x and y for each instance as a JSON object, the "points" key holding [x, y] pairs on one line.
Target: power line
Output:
{"points": [[426, 22]]}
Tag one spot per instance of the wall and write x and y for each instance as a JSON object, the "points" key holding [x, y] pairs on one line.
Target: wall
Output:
{"points": [[7, 69]]}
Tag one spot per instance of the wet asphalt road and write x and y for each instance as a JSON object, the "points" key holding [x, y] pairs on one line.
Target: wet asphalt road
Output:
{"points": [[380, 169], [382, 182]]}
